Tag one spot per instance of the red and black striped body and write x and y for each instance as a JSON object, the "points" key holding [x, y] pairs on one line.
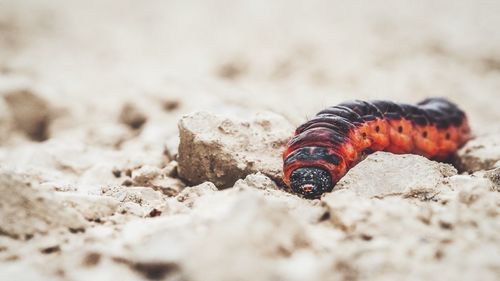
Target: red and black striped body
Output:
{"points": [[337, 138]]}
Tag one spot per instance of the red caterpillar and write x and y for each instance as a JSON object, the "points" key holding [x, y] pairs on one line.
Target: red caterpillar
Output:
{"points": [[337, 138]]}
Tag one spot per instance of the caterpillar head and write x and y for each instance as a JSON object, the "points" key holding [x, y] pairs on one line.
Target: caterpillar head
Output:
{"points": [[310, 182]]}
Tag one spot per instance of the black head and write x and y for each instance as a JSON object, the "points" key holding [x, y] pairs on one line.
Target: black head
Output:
{"points": [[310, 182]]}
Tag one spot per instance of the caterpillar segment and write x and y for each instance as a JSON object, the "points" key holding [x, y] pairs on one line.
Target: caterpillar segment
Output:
{"points": [[324, 148]]}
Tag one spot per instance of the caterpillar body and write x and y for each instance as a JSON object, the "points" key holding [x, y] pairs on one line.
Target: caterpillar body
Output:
{"points": [[324, 148]]}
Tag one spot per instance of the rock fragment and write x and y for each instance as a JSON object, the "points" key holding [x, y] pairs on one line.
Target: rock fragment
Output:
{"points": [[494, 177], [383, 174], [481, 153], [143, 196], [90, 206], [170, 104], [189, 194], [31, 113], [132, 209], [158, 179], [144, 175], [132, 116], [223, 150], [170, 169], [168, 186], [25, 210], [258, 181]]}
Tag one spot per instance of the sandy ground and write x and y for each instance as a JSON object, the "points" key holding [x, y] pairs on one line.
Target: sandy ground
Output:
{"points": [[91, 97]]}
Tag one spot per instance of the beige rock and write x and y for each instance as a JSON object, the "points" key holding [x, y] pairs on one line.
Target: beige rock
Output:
{"points": [[168, 186], [258, 181], [481, 153], [144, 175], [30, 112], [132, 209], [92, 207], [494, 177], [157, 179], [25, 211], [189, 194], [222, 150], [170, 169], [385, 174], [145, 196], [5, 122]]}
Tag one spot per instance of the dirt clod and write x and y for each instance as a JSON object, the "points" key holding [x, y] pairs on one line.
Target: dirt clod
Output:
{"points": [[30, 112], [132, 116], [481, 153]]}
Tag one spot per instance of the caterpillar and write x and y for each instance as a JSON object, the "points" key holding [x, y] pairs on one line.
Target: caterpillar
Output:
{"points": [[324, 148]]}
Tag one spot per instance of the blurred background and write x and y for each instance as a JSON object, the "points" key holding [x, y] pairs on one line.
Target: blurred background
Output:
{"points": [[91, 93], [225, 56]]}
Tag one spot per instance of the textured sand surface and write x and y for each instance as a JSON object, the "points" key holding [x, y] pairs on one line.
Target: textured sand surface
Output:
{"points": [[95, 97]]}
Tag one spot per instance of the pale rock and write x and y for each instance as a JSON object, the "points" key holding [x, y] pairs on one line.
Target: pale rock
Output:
{"points": [[24, 210], [168, 186], [386, 174], [30, 112], [469, 188], [132, 116], [144, 196], [109, 134], [494, 177], [5, 122], [171, 147], [258, 180], [92, 207], [170, 170], [132, 209], [190, 193], [222, 150], [145, 174], [481, 153], [156, 178]]}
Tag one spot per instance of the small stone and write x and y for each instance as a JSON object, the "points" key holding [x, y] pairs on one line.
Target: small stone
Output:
{"points": [[258, 181], [132, 116], [154, 213], [171, 147], [192, 192], [90, 206], [30, 112], [170, 169], [132, 209], [481, 153], [494, 177], [168, 186], [140, 195], [144, 175], [170, 104], [117, 173]]}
